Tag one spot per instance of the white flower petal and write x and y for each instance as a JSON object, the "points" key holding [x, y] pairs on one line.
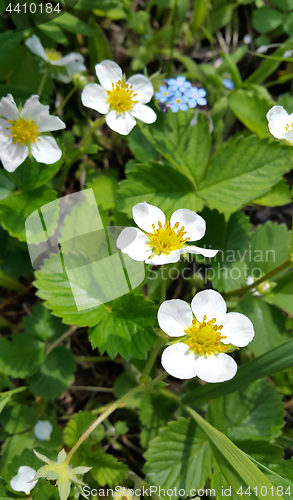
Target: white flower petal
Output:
{"points": [[174, 317], [34, 110], [21, 482], [95, 97], [216, 368], [133, 242], [171, 258], [238, 329], [12, 155], [46, 150], [179, 361], [8, 108], [209, 303], [143, 113], [144, 215], [73, 57], [122, 123], [36, 47], [142, 87], [43, 430], [194, 224], [108, 72], [288, 135], [278, 118], [206, 252], [4, 132]]}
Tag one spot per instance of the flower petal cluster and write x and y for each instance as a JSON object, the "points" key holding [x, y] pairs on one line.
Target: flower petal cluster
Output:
{"points": [[160, 241], [121, 101], [178, 94], [280, 123], [206, 333], [23, 480], [61, 67], [43, 430], [21, 133], [61, 472]]}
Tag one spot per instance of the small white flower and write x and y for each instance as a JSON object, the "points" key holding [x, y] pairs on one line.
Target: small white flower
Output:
{"points": [[208, 331], [23, 480], [121, 101], [61, 68], [43, 430], [280, 123], [20, 133], [161, 241]]}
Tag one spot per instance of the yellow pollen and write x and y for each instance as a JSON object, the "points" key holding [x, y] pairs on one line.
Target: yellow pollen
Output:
{"points": [[166, 239], [120, 97], [53, 55], [23, 131], [205, 338], [289, 127], [178, 101]]}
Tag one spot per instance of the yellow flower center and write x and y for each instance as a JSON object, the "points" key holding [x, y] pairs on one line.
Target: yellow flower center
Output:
{"points": [[289, 127], [23, 131], [165, 239], [121, 97], [178, 101], [205, 337], [53, 55]]}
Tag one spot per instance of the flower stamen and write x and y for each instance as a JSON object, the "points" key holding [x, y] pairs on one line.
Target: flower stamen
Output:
{"points": [[23, 131], [205, 337], [289, 127], [53, 55], [121, 97], [165, 240]]}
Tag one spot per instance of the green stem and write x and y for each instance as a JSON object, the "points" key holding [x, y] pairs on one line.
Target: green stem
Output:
{"points": [[145, 374], [65, 335], [291, 250], [114, 406], [164, 283], [43, 81], [65, 100], [84, 143], [78, 154], [266, 277]]}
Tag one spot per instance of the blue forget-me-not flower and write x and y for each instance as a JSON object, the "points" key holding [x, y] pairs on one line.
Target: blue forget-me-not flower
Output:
{"points": [[178, 101], [228, 84], [180, 83], [163, 94], [177, 94], [196, 96]]}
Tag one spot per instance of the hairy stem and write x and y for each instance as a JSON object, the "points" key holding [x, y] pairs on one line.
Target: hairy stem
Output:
{"points": [[277, 270], [65, 100], [65, 335], [78, 153], [114, 406], [42, 82]]}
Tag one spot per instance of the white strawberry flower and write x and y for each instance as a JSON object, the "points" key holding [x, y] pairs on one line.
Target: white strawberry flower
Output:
{"points": [[122, 101], [160, 241], [61, 67], [43, 430], [207, 332], [280, 123], [21, 133], [23, 480]]}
